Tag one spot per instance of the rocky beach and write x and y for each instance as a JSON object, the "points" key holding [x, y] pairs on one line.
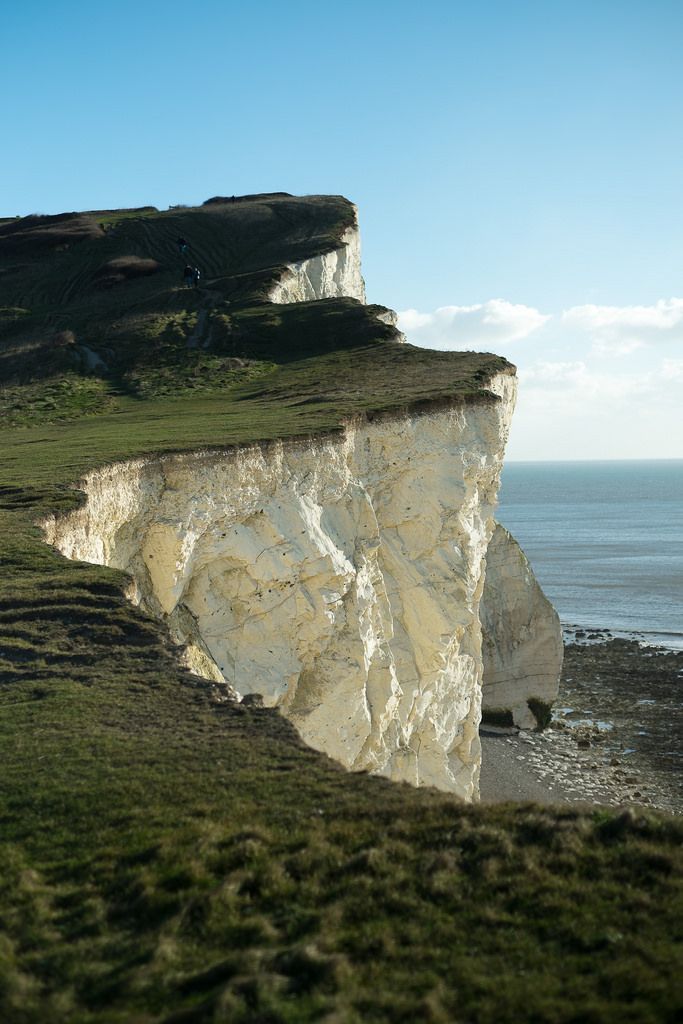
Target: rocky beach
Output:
{"points": [[615, 736]]}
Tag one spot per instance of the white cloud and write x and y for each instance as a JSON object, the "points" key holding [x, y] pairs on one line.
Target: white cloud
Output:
{"points": [[672, 370], [471, 327], [580, 410], [578, 383], [614, 330], [544, 374], [618, 330], [574, 403]]}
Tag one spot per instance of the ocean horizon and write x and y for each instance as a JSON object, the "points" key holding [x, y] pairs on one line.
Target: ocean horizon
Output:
{"points": [[605, 540]]}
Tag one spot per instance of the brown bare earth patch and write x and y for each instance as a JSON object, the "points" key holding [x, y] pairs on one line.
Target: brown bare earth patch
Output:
{"points": [[126, 268]]}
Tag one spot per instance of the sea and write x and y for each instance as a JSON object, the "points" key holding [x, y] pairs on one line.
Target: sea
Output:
{"points": [[605, 541]]}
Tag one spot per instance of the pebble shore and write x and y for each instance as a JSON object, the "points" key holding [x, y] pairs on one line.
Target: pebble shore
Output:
{"points": [[616, 738]]}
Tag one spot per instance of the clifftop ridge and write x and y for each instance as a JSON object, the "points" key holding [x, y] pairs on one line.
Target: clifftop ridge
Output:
{"points": [[93, 311]]}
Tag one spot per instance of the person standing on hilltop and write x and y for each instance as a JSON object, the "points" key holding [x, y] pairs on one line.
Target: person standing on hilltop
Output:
{"points": [[183, 247]]}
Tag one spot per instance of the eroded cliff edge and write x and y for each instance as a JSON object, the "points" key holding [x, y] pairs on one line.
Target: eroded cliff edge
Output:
{"points": [[340, 577]]}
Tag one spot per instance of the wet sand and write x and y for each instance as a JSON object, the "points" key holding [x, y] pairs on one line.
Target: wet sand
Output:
{"points": [[616, 738]]}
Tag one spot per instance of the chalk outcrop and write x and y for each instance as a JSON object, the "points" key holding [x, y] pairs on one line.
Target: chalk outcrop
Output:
{"points": [[339, 578], [330, 275], [522, 639]]}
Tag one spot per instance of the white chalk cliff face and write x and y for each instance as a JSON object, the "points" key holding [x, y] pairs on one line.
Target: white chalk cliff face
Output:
{"points": [[339, 578], [523, 649], [331, 275]]}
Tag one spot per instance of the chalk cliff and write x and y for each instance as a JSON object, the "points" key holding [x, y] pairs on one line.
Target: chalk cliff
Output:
{"points": [[328, 276], [339, 578], [522, 639]]}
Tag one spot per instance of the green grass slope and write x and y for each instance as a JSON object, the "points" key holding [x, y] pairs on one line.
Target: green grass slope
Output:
{"points": [[165, 857]]}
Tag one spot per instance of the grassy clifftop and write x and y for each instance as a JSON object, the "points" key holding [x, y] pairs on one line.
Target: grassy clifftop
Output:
{"points": [[167, 858], [94, 318], [91, 308]]}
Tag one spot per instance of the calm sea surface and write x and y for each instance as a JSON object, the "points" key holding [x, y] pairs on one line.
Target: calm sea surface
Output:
{"points": [[605, 540]]}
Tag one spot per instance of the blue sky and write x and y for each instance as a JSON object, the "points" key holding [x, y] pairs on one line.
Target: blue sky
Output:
{"points": [[526, 153]]}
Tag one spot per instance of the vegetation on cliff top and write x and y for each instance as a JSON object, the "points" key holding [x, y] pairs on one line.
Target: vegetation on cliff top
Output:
{"points": [[168, 858]]}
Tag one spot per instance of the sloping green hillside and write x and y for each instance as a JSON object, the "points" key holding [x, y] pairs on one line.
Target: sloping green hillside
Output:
{"points": [[166, 856], [91, 306]]}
